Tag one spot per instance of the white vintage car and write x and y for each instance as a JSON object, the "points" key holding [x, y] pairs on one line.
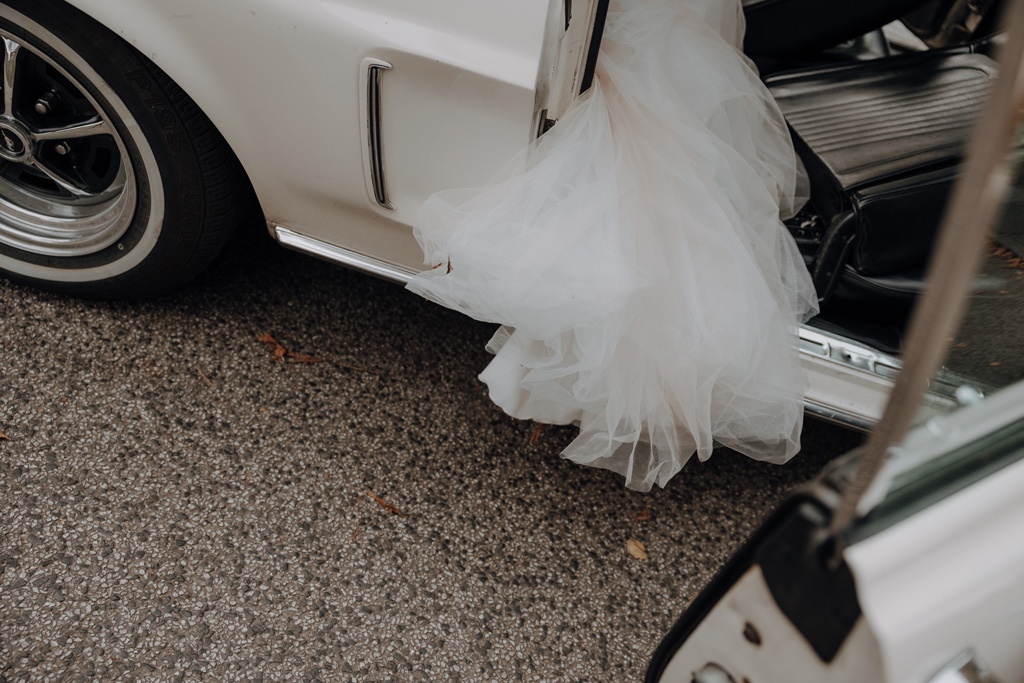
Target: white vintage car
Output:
{"points": [[135, 135]]}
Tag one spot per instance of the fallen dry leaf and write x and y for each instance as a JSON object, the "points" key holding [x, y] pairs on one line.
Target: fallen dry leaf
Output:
{"points": [[275, 346], [636, 549], [283, 354], [961, 345], [1011, 259], [206, 379], [4, 437], [643, 516], [386, 505], [995, 364], [535, 434]]}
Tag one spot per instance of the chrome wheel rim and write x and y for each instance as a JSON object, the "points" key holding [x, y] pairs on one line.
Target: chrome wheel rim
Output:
{"points": [[67, 185]]}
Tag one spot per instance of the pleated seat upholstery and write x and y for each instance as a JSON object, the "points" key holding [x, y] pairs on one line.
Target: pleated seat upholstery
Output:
{"points": [[882, 142]]}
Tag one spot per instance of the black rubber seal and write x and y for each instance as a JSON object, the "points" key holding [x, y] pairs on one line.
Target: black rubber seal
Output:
{"points": [[595, 46]]}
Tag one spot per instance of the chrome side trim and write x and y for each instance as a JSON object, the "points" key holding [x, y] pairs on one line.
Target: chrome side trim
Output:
{"points": [[375, 69], [345, 257]]}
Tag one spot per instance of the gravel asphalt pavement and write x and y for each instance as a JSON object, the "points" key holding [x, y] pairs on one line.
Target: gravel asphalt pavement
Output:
{"points": [[176, 505]]}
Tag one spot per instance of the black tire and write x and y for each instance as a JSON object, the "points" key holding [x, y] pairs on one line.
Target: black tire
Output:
{"points": [[175, 192]]}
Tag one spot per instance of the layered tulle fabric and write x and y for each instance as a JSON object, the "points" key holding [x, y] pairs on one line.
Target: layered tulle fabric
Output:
{"points": [[636, 257]]}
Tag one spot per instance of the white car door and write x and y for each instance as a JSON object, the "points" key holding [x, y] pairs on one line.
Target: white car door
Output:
{"points": [[903, 562], [929, 589]]}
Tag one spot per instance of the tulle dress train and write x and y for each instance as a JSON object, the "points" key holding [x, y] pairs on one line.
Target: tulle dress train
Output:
{"points": [[636, 257]]}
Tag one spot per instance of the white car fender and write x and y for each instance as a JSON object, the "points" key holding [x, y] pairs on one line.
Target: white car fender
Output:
{"points": [[281, 80]]}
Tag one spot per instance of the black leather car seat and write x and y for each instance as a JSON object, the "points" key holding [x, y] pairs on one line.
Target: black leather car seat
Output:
{"points": [[789, 28], [882, 142]]}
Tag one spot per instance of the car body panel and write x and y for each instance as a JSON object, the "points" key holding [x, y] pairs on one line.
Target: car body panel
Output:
{"points": [[777, 653], [281, 80]]}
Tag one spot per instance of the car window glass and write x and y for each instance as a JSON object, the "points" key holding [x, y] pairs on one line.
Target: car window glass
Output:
{"points": [[987, 346]]}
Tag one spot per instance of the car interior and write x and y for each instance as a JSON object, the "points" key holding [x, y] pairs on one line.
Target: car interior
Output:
{"points": [[880, 96]]}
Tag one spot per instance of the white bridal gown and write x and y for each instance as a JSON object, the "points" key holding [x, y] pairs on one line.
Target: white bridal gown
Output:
{"points": [[635, 255]]}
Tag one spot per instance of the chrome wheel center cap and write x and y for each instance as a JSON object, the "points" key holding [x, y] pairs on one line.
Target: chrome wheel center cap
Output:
{"points": [[15, 143]]}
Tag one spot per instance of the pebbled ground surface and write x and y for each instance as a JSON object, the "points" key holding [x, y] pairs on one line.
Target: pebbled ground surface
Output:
{"points": [[174, 505]]}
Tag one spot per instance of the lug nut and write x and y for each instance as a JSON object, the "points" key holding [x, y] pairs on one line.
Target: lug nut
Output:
{"points": [[62, 148], [47, 103]]}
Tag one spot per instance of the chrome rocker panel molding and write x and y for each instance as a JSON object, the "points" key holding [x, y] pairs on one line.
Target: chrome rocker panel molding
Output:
{"points": [[848, 382], [350, 259]]}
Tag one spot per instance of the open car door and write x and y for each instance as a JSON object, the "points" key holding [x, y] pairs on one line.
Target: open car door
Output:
{"points": [[929, 588], [904, 561]]}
